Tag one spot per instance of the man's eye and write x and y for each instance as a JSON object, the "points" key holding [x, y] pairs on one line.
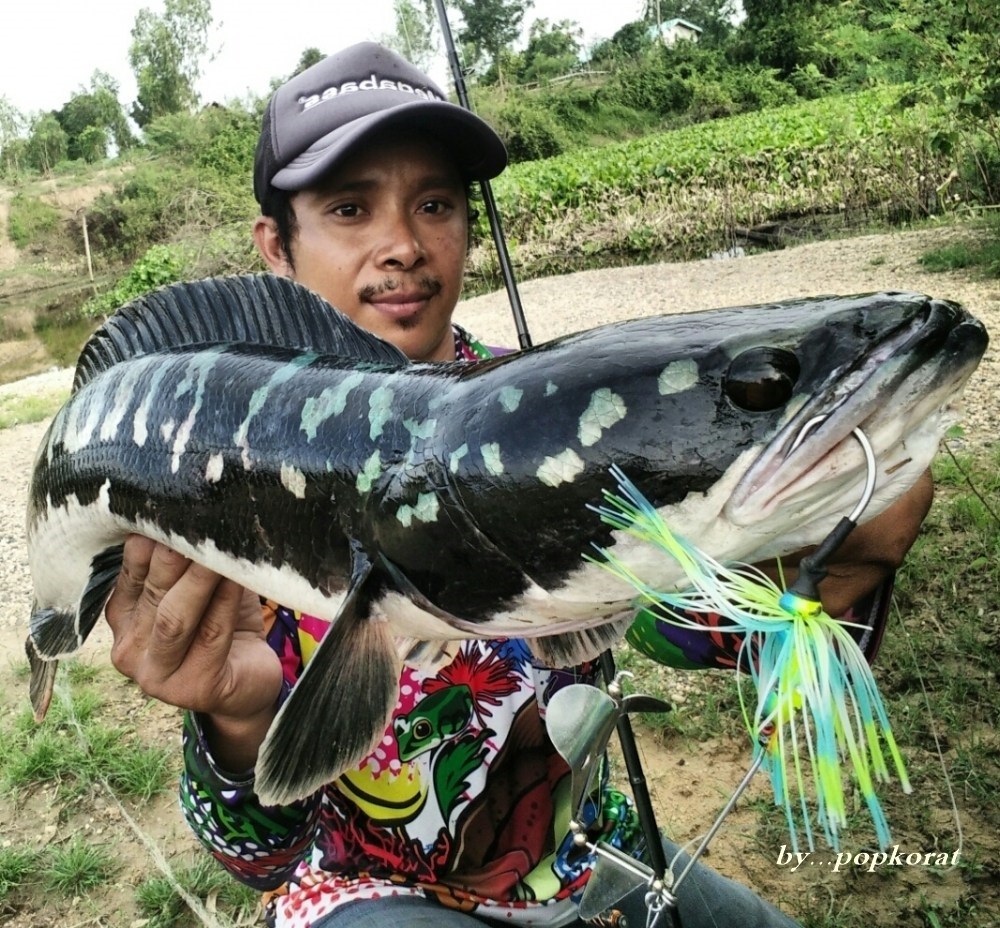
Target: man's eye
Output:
{"points": [[435, 207], [347, 210]]}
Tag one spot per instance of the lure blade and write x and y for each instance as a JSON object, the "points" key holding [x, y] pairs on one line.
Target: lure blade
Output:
{"points": [[817, 712]]}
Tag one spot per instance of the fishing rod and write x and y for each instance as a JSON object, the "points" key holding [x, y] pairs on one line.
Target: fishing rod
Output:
{"points": [[492, 213], [626, 737]]}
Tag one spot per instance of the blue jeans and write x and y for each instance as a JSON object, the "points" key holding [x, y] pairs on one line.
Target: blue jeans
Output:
{"points": [[705, 900]]}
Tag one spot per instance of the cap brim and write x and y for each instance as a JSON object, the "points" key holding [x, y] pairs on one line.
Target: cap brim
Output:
{"points": [[478, 151]]}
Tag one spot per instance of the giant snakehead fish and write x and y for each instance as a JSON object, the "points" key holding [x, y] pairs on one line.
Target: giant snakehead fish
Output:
{"points": [[248, 425]]}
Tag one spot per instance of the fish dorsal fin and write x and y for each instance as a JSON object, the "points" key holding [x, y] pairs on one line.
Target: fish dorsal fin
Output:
{"points": [[256, 309]]}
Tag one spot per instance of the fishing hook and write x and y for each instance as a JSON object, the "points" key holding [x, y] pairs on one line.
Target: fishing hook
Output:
{"points": [[803, 595]]}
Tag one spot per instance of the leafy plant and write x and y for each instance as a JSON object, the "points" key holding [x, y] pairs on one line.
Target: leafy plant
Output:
{"points": [[159, 266]]}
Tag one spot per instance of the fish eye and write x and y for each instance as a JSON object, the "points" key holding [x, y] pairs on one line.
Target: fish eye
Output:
{"points": [[762, 379]]}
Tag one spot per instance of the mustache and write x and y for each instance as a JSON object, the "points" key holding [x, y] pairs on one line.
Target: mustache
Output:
{"points": [[428, 285]]}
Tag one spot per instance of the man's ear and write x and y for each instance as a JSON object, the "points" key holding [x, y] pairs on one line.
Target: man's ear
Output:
{"points": [[265, 235]]}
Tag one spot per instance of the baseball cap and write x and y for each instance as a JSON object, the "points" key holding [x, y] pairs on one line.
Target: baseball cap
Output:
{"points": [[317, 117]]}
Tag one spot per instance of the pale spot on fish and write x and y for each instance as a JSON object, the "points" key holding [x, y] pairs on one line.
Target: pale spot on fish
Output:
{"points": [[510, 398], [213, 470], [331, 402], [456, 458], [421, 430], [491, 458], [81, 422], [293, 480], [195, 376], [604, 410], [140, 424], [550, 388], [379, 410], [369, 473], [167, 429], [424, 510], [677, 377], [564, 467], [259, 397], [123, 398]]}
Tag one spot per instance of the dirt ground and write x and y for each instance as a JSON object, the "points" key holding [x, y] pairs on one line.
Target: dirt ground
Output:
{"points": [[689, 779]]}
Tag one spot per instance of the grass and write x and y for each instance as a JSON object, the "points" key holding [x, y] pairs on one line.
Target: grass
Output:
{"points": [[980, 252], [17, 867], [79, 866], [75, 751], [19, 410], [159, 901]]}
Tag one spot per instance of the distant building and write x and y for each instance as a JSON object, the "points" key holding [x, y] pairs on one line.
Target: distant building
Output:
{"points": [[673, 29]]}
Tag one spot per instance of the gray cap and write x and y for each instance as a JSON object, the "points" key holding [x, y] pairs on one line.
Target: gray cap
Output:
{"points": [[313, 120]]}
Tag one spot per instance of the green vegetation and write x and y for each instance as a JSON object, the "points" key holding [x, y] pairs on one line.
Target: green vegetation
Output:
{"points": [[30, 220], [826, 118], [18, 410], [159, 900], [75, 752], [78, 867]]}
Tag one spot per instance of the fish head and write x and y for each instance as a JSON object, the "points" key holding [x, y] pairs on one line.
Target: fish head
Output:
{"points": [[787, 388]]}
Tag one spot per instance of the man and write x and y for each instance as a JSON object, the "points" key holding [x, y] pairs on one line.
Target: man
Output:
{"points": [[460, 817]]}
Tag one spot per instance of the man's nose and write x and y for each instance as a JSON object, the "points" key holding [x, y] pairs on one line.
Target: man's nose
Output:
{"points": [[401, 245]]}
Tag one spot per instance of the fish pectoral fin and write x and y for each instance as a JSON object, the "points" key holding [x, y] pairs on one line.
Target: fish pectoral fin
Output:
{"points": [[572, 648], [339, 708]]}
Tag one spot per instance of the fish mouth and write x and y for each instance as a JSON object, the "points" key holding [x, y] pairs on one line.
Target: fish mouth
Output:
{"points": [[902, 395]]}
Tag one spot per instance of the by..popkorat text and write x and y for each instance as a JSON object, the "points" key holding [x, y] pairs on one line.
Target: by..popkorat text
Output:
{"points": [[867, 860]]}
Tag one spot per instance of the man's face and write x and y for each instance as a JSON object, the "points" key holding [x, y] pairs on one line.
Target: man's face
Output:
{"points": [[384, 238]]}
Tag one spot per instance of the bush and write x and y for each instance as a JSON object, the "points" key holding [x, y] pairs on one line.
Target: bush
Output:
{"points": [[148, 208], [529, 132], [30, 220], [159, 266]]}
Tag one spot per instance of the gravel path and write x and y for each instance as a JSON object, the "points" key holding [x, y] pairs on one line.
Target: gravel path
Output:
{"points": [[562, 304]]}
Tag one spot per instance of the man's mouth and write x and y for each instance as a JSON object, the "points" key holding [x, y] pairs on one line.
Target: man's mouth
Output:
{"points": [[393, 299]]}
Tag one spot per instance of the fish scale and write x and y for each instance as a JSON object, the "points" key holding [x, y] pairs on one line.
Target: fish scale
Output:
{"points": [[313, 463]]}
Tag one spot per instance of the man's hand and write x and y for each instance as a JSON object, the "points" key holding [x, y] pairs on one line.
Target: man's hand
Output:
{"points": [[193, 639]]}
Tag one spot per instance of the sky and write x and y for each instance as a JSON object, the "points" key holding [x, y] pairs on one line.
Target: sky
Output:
{"points": [[52, 47]]}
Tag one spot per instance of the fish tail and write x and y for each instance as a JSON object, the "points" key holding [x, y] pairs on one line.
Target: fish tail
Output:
{"points": [[42, 682], [336, 714]]}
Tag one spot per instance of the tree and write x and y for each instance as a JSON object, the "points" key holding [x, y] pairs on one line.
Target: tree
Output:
{"points": [[47, 143], [553, 49], [783, 34], [12, 125], [94, 118], [414, 37], [166, 55], [307, 59], [491, 26]]}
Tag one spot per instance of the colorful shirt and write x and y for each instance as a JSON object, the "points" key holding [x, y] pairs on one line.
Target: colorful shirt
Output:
{"points": [[465, 799]]}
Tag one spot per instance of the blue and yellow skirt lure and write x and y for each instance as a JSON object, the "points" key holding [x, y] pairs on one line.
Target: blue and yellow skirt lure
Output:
{"points": [[817, 709]]}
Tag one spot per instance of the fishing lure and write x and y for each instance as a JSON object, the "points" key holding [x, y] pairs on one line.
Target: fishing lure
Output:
{"points": [[817, 708]]}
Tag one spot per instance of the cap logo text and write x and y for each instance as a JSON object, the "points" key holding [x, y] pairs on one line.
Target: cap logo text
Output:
{"points": [[369, 83]]}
